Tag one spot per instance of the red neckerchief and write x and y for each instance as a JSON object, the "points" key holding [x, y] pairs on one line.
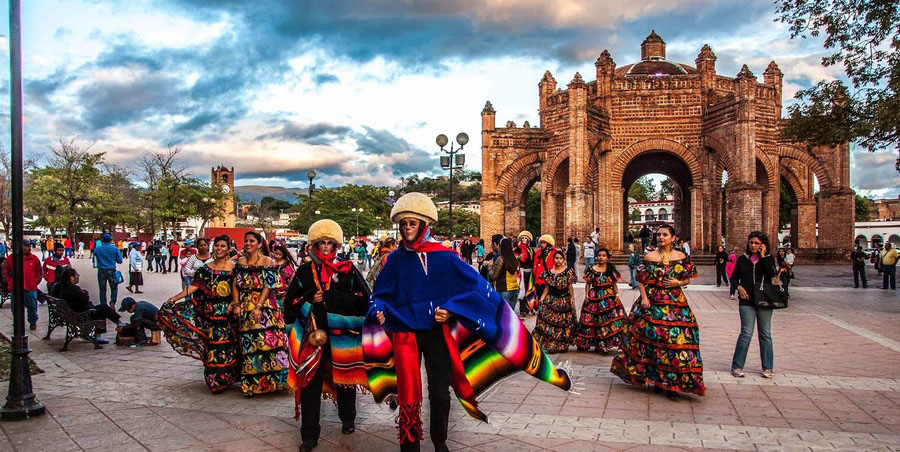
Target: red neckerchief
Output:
{"points": [[330, 267], [425, 243]]}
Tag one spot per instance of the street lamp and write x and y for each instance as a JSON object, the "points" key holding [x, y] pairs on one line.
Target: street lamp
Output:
{"points": [[318, 212], [311, 174], [450, 162], [357, 212]]}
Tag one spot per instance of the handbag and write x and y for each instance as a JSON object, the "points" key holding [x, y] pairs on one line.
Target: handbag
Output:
{"points": [[118, 278], [769, 296]]}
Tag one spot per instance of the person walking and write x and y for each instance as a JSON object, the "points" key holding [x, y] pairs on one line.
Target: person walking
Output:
{"points": [[504, 273], [325, 305], [67, 244], [876, 258], [387, 247], [196, 324], [174, 255], [721, 262], [150, 254], [571, 254], [785, 270], [634, 259], [479, 250], [889, 266], [526, 263], [135, 265], [755, 267], [662, 325], [162, 258], [31, 271], [106, 257], [472, 325], [361, 253], [644, 235], [91, 245], [543, 261], [80, 249], [588, 251], [286, 266], [55, 264], [554, 328], [858, 261], [465, 250], [260, 321], [729, 271], [595, 236], [602, 320], [196, 260]]}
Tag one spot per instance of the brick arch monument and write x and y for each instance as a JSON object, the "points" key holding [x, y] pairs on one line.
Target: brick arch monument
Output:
{"points": [[659, 116]]}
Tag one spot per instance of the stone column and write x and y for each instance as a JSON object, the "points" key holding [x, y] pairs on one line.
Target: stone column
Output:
{"points": [[803, 233], [578, 208], [743, 212], [838, 211]]}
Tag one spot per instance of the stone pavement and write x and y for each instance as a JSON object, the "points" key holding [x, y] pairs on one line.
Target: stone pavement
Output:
{"points": [[837, 355]]}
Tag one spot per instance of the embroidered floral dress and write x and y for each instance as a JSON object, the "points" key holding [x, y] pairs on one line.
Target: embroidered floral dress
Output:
{"points": [[602, 320], [555, 326], [285, 275], [661, 345], [200, 328], [263, 352]]}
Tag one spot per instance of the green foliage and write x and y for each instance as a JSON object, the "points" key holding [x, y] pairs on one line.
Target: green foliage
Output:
{"points": [[635, 215], [666, 188], [643, 189], [533, 212], [337, 204], [784, 206], [439, 188], [863, 208], [864, 35], [268, 202], [465, 223]]}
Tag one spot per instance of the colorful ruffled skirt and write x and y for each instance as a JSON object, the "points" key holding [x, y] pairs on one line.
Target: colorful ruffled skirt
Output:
{"points": [[264, 359], [601, 324], [555, 326]]}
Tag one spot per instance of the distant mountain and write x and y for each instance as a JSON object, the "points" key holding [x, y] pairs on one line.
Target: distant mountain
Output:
{"points": [[255, 193]]}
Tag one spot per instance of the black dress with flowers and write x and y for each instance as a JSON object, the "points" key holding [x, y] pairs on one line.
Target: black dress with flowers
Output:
{"points": [[264, 360], [199, 327], [661, 345], [555, 326], [602, 320]]}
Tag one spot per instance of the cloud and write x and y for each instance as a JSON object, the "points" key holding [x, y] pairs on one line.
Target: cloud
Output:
{"points": [[322, 79], [115, 101], [873, 173], [317, 133]]}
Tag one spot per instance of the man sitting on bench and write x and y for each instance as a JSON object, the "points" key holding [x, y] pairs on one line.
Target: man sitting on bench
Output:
{"points": [[79, 300], [143, 315]]}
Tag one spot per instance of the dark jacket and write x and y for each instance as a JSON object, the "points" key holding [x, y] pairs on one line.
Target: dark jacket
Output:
{"points": [[747, 275], [721, 259], [347, 296], [144, 311], [858, 258], [77, 298]]}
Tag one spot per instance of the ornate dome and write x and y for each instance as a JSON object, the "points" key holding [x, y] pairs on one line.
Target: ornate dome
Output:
{"points": [[653, 61]]}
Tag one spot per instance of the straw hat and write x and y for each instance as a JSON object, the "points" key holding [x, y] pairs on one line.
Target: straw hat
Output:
{"points": [[547, 238], [325, 229], [415, 205], [525, 234]]}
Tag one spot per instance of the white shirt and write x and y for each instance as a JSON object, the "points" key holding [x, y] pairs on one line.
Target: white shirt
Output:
{"points": [[687, 248], [789, 259], [589, 249], [594, 236]]}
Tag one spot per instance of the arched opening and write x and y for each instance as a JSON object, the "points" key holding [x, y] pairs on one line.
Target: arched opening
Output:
{"points": [[895, 240], [862, 241], [555, 219], [663, 214], [531, 208], [787, 213], [877, 240], [675, 184]]}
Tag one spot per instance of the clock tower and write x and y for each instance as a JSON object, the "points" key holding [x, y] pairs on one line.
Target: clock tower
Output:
{"points": [[224, 177]]}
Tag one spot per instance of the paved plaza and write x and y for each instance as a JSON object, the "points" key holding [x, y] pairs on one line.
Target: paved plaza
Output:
{"points": [[836, 387]]}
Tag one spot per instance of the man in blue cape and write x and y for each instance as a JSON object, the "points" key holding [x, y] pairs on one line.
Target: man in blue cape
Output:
{"points": [[427, 302]]}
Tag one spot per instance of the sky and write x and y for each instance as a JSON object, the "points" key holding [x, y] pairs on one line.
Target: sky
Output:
{"points": [[356, 90]]}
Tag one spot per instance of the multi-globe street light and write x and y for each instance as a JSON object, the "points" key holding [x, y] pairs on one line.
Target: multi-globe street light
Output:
{"points": [[357, 212], [454, 160]]}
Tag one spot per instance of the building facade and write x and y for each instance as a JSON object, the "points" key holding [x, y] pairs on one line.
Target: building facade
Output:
{"points": [[656, 116], [643, 212]]}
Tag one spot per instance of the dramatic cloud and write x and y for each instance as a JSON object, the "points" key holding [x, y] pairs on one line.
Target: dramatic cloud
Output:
{"points": [[874, 174]]}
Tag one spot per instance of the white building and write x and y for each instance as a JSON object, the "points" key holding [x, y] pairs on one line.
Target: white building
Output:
{"points": [[663, 210], [868, 234], [471, 206]]}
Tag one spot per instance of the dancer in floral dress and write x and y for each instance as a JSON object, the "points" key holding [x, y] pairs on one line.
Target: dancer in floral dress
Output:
{"points": [[260, 320], [286, 268], [198, 326], [661, 345], [602, 320], [555, 326]]}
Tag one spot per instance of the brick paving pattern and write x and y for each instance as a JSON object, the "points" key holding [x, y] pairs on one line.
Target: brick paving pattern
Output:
{"points": [[836, 387]]}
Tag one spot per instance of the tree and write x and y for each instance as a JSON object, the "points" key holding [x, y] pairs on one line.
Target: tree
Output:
{"points": [[666, 188], [465, 223], [635, 216], [6, 187], [866, 37], [642, 189], [338, 203], [162, 174], [863, 208], [62, 193], [269, 202], [784, 207], [533, 212]]}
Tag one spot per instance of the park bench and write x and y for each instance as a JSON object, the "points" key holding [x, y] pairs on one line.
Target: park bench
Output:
{"points": [[78, 324]]}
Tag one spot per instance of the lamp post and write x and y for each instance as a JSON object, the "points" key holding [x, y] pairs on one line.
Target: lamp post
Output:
{"points": [[21, 403], [451, 162], [357, 212], [311, 174]]}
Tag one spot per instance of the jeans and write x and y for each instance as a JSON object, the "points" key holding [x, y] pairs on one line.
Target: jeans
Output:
{"points": [[187, 283], [104, 276], [859, 272], [173, 259], [511, 297], [763, 320], [161, 264], [890, 276], [588, 262], [31, 305], [633, 282], [150, 260]]}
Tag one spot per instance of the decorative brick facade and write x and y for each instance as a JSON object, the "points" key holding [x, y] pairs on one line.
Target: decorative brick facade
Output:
{"points": [[687, 122], [224, 178]]}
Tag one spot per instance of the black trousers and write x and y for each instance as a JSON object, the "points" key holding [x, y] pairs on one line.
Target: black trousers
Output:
{"points": [[433, 348], [859, 273], [136, 329], [311, 403], [173, 260], [721, 276], [104, 311]]}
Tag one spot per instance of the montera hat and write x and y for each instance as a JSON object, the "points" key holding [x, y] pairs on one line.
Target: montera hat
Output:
{"points": [[415, 205], [547, 238], [525, 234], [325, 229]]}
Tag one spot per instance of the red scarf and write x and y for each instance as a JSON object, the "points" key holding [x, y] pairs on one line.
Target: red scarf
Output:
{"points": [[425, 243], [330, 267]]}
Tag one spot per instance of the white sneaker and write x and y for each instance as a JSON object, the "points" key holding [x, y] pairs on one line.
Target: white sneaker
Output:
{"points": [[731, 297]]}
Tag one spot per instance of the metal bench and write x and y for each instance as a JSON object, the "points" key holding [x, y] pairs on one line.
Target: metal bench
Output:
{"points": [[78, 324]]}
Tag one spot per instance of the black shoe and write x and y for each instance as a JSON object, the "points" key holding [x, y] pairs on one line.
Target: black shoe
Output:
{"points": [[672, 395], [308, 446], [348, 429], [32, 326]]}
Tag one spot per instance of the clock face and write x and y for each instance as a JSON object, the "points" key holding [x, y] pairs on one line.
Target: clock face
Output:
{"points": [[225, 187]]}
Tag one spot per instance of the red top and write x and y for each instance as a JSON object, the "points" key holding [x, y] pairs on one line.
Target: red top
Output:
{"points": [[541, 265], [50, 265], [67, 243], [32, 267], [173, 249]]}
